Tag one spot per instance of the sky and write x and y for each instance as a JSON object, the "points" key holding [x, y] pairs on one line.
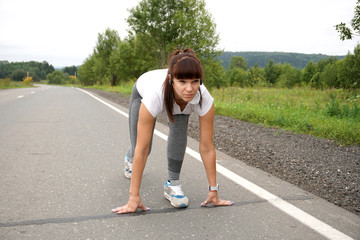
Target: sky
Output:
{"points": [[64, 33]]}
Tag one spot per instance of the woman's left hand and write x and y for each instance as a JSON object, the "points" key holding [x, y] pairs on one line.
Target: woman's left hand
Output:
{"points": [[214, 199]]}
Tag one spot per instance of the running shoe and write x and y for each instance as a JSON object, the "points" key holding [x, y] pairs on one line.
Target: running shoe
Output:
{"points": [[174, 193], [128, 167]]}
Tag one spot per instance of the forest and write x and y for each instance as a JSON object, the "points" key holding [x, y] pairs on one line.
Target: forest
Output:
{"points": [[16, 71], [261, 59]]}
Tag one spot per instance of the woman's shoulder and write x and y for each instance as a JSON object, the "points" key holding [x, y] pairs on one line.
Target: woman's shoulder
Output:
{"points": [[150, 83], [154, 74]]}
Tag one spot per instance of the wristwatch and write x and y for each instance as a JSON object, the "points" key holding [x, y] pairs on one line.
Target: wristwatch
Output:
{"points": [[214, 188]]}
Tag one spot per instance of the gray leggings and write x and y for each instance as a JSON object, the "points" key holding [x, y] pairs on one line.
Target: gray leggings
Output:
{"points": [[177, 138]]}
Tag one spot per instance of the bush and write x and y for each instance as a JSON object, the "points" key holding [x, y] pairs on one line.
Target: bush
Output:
{"points": [[56, 77], [5, 83], [28, 80]]}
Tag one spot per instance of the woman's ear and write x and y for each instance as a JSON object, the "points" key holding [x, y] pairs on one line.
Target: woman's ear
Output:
{"points": [[170, 79]]}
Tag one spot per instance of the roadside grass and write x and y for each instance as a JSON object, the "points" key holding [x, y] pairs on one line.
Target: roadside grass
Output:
{"points": [[331, 114], [7, 83], [123, 88]]}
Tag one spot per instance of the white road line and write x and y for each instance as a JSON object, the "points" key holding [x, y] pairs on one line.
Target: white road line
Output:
{"points": [[21, 96], [298, 214]]}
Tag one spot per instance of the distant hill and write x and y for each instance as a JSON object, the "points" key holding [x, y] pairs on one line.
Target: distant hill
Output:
{"points": [[298, 60]]}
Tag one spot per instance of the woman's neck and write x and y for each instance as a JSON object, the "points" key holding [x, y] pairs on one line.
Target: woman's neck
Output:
{"points": [[182, 104]]}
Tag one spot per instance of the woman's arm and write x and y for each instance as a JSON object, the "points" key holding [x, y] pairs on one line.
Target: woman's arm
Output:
{"points": [[144, 134], [208, 156], [207, 150]]}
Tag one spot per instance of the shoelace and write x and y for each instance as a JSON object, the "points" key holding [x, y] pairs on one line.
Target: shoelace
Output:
{"points": [[177, 190]]}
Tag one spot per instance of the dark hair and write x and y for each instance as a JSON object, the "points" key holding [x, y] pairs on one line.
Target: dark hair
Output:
{"points": [[182, 65]]}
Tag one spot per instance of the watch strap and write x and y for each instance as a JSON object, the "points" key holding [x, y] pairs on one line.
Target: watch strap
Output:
{"points": [[214, 188]]}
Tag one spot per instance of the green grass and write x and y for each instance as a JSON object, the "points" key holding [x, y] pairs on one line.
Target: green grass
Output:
{"points": [[124, 88], [330, 114], [7, 84]]}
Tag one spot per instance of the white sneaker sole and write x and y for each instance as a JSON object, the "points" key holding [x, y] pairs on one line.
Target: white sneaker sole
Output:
{"points": [[182, 205]]}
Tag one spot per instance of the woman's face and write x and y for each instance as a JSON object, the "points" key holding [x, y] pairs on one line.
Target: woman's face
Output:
{"points": [[185, 89]]}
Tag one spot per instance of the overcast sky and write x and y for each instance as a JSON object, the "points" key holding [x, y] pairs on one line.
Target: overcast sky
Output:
{"points": [[65, 32]]}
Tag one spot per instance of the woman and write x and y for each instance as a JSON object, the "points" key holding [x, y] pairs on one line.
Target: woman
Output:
{"points": [[180, 94]]}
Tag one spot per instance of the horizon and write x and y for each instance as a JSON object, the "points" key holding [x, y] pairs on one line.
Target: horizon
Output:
{"points": [[63, 66]]}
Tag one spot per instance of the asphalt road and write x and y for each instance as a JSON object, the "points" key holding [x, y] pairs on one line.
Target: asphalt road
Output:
{"points": [[61, 156]]}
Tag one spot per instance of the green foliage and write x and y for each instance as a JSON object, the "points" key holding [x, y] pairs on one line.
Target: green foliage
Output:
{"points": [[36, 69], [238, 62], [18, 75], [215, 75], [70, 70], [123, 88], [344, 31], [5, 83], [97, 67], [289, 77], [105, 45], [255, 76], [272, 72], [342, 110], [309, 71], [237, 77], [349, 70], [129, 60], [331, 114], [163, 25], [329, 76], [298, 60], [56, 77], [86, 73]]}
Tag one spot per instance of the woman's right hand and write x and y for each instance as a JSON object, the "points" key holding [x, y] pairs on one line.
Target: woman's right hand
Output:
{"points": [[133, 204]]}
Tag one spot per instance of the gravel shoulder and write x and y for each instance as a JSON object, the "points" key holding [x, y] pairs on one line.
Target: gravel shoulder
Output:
{"points": [[319, 166]]}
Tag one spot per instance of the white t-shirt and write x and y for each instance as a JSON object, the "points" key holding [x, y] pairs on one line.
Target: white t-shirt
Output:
{"points": [[150, 88]]}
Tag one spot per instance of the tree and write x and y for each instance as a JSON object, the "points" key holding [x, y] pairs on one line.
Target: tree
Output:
{"points": [[309, 71], [56, 77], [215, 74], [345, 31], [238, 62], [329, 75], [272, 72], [18, 75], [289, 76], [237, 77], [105, 45], [349, 70], [70, 70], [163, 25], [255, 76], [86, 73], [129, 60]]}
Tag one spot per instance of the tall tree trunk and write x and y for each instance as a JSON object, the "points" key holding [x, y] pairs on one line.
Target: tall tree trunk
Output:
{"points": [[163, 51], [113, 80]]}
